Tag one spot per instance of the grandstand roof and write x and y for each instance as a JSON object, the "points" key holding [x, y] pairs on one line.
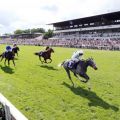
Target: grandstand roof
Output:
{"points": [[90, 19]]}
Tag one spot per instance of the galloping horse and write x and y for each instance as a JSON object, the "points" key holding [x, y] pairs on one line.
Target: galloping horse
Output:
{"points": [[8, 56], [79, 69], [45, 54]]}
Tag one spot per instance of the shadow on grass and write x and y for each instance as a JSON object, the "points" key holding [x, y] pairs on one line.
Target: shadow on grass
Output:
{"points": [[48, 67], [92, 97], [7, 69]]}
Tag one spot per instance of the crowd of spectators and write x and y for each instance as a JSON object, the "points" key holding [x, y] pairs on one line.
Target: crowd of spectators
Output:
{"points": [[108, 41]]}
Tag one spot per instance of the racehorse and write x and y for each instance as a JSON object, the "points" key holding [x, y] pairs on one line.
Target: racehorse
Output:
{"points": [[79, 69], [45, 54], [15, 50], [8, 56]]}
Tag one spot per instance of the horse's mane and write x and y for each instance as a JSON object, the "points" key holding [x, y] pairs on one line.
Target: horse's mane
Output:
{"points": [[90, 58], [84, 60], [49, 50]]}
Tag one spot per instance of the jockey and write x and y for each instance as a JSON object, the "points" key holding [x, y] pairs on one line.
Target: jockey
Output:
{"points": [[47, 48], [14, 45], [75, 58], [8, 49], [77, 55]]}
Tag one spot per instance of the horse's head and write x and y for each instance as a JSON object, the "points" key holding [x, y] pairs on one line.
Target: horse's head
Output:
{"points": [[90, 62], [51, 50]]}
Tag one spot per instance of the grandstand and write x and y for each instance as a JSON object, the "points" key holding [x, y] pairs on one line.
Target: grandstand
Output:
{"points": [[98, 32]]}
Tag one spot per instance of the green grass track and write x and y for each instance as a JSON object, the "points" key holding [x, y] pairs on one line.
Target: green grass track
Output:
{"points": [[44, 92]]}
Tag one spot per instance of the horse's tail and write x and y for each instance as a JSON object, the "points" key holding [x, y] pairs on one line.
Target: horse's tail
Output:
{"points": [[1, 55], [36, 53], [61, 64]]}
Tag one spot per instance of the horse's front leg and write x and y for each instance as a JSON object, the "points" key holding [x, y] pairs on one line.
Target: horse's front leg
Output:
{"points": [[39, 58], [85, 76], [50, 60], [89, 85], [13, 62], [86, 80], [45, 60]]}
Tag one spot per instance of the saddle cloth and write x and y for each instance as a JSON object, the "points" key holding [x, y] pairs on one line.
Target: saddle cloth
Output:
{"points": [[73, 64]]}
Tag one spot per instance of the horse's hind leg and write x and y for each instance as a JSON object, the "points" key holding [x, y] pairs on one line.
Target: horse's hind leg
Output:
{"points": [[8, 62], [5, 61], [50, 60], [1, 58], [45, 60], [68, 73]]}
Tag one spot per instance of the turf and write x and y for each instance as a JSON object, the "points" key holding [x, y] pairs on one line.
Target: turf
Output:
{"points": [[44, 92]]}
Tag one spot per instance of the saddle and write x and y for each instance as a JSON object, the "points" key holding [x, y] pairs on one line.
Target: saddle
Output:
{"points": [[42, 53], [73, 64]]}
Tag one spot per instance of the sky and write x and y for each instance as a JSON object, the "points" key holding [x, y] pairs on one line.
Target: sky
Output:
{"points": [[28, 14]]}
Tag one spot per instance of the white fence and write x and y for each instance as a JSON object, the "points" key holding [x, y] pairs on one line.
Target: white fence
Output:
{"points": [[11, 112]]}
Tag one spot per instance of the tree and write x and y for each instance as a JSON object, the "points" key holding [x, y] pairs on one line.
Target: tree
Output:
{"points": [[27, 31], [38, 30], [18, 31], [48, 34]]}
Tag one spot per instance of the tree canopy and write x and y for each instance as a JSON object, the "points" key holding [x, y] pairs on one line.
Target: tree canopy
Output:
{"points": [[48, 34], [34, 30]]}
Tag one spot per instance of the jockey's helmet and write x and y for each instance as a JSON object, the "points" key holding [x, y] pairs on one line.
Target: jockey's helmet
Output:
{"points": [[8, 48], [81, 52], [14, 45], [47, 48]]}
